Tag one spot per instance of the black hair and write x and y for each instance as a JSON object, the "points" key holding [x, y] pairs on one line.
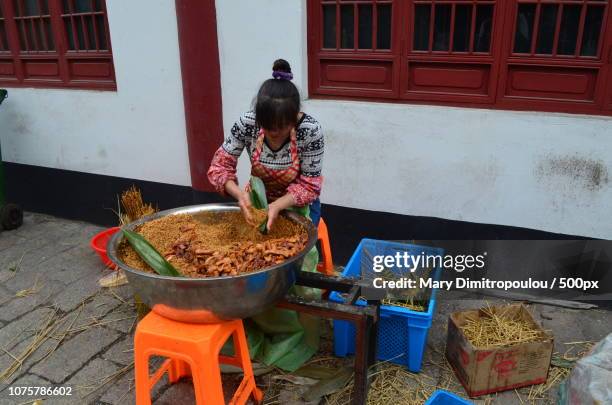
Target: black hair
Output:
{"points": [[277, 104]]}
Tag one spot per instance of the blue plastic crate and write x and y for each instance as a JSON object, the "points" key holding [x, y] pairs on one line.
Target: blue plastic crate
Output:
{"points": [[402, 333], [441, 397]]}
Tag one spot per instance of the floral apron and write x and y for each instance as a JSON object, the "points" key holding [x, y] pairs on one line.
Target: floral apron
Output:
{"points": [[276, 181]]}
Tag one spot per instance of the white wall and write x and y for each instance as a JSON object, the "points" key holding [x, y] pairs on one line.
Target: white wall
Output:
{"points": [[537, 170], [136, 132], [247, 51]]}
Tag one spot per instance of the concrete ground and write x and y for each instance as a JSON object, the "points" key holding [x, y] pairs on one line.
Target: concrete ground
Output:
{"points": [[58, 328]]}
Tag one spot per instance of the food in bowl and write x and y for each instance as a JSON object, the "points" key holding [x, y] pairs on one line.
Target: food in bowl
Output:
{"points": [[213, 244]]}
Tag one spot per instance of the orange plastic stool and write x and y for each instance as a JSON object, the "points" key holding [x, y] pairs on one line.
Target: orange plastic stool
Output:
{"points": [[192, 350], [327, 265]]}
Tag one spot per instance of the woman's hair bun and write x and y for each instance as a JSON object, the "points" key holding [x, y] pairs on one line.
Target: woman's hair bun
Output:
{"points": [[281, 65], [281, 70]]}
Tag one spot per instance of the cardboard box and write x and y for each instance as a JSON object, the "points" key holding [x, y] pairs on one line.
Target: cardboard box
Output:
{"points": [[486, 370]]}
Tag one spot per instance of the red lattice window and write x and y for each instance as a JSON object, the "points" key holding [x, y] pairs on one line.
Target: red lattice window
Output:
{"points": [[452, 27], [559, 29], [549, 55], [356, 47], [555, 58], [357, 25], [55, 43], [451, 51]]}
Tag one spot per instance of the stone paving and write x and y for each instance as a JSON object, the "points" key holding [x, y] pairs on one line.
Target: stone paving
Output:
{"points": [[58, 328]]}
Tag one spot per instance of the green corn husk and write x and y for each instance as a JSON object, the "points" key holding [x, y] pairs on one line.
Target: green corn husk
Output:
{"points": [[149, 254], [258, 193], [259, 200], [263, 228]]}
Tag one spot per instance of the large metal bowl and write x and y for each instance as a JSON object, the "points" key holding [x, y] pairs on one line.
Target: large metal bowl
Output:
{"points": [[212, 299]]}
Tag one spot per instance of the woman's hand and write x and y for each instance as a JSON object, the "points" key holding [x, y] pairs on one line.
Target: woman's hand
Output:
{"points": [[277, 206], [243, 198], [273, 212], [244, 202]]}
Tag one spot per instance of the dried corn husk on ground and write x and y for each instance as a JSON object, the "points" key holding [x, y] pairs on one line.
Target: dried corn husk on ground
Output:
{"points": [[495, 328], [113, 279], [393, 384]]}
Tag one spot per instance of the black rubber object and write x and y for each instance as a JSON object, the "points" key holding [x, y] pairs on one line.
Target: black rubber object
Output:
{"points": [[11, 216]]}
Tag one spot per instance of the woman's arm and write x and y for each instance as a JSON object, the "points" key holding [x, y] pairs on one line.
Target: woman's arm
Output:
{"points": [[223, 166], [244, 199], [222, 171]]}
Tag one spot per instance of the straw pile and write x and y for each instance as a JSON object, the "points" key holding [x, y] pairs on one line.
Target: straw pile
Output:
{"points": [[393, 384], [412, 304], [560, 369], [44, 338], [415, 299], [133, 206], [555, 376], [494, 328], [130, 208]]}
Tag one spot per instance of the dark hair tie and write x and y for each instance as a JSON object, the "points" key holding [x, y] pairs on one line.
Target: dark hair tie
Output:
{"points": [[277, 74]]}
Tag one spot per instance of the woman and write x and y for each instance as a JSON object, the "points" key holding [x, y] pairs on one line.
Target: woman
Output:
{"points": [[285, 147]]}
